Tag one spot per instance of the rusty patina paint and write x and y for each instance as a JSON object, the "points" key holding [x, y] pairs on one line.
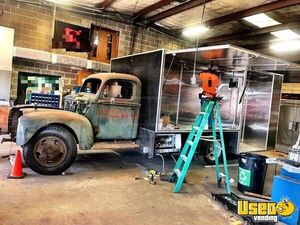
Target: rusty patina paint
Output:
{"points": [[104, 77], [116, 112], [34, 120], [109, 121], [117, 121]]}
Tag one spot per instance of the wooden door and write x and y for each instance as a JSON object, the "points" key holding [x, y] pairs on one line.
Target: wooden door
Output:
{"points": [[107, 47], [81, 75]]}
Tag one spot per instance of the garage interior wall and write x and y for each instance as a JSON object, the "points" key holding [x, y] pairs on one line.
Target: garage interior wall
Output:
{"points": [[41, 68], [34, 28], [34, 24]]}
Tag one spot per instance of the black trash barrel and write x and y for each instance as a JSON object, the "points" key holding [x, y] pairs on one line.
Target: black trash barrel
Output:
{"points": [[252, 173]]}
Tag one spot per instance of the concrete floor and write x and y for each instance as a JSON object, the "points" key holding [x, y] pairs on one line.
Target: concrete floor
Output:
{"points": [[100, 188]]}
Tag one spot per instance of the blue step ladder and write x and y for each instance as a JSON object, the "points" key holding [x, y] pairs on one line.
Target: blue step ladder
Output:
{"points": [[183, 163]]}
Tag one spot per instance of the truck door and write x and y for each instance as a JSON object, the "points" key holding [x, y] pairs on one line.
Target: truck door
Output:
{"points": [[118, 110]]}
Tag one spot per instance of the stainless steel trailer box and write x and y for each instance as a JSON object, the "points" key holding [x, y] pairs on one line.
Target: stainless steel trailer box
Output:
{"points": [[250, 110], [289, 123]]}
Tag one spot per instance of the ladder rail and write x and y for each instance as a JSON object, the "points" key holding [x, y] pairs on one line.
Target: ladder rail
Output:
{"points": [[213, 126], [180, 160], [191, 153], [186, 147], [227, 181], [186, 155]]}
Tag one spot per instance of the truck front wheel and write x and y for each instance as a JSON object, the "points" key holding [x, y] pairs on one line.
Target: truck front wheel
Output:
{"points": [[51, 151]]}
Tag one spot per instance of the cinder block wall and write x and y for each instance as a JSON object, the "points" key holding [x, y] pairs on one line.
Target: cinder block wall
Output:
{"points": [[34, 67], [34, 27], [32, 24]]}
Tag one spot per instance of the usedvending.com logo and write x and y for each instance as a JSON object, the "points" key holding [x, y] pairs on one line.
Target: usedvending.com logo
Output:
{"points": [[266, 211]]}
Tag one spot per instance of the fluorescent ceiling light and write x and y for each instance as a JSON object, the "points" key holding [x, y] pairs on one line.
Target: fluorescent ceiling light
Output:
{"points": [[286, 34], [261, 20], [194, 31], [286, 46], [60, 1]]}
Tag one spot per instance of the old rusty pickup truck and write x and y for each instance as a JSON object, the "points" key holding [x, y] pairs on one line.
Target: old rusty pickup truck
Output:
{"points": [[106, 108]]}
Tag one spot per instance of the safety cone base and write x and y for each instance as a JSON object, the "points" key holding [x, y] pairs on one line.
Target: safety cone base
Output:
{"points": [[16, 177], [17, 170]]}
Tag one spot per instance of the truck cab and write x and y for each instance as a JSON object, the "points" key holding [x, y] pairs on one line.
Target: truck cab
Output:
{"points": [[111, 102], [106, 108]]}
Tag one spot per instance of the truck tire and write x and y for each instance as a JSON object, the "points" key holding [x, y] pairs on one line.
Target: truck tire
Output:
{"points": [[51, 151], [208, 152], [13, 122]]}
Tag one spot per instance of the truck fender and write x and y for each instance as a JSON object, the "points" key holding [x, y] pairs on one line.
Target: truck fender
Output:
{"points": [[30, 123]]}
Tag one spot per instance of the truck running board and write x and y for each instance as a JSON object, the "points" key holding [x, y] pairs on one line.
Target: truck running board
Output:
{"points": [[114, 145]]}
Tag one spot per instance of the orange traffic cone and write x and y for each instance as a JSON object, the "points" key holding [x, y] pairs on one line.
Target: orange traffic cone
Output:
{"points": [[16, 172]]}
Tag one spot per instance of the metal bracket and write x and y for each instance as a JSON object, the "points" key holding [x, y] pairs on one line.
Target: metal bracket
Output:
{"points": [[6, 138], [2, 140]]}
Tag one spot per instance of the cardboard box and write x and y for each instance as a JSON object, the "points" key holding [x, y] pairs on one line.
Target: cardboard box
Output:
{"points": [[4, 111]]}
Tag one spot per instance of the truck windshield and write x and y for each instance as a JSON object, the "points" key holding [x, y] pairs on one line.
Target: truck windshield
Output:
{"points": [[91, 86]]}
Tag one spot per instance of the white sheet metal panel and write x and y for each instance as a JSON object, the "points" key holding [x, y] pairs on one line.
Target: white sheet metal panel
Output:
{"points": [[28, 53], [32, 54], [5, 85], [6, 48], [6, 57]]}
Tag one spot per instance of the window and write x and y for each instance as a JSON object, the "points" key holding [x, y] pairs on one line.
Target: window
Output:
{"points": [[91, 85], [118, 89], [35, 83]]}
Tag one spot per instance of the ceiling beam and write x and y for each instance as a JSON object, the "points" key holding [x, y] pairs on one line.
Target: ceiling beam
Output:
{"points": [[151, 8], [178, 9], [263, 44], [234, 36], [167, 32], [264, 48], [252, 11], [105, 4]]}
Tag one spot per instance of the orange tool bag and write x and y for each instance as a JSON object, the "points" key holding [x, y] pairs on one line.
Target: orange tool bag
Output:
{"points": [[210, 82]]}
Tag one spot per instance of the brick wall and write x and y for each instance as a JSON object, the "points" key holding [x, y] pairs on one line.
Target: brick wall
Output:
{"points": [[35, 67], [32, 24], [34, 27]]}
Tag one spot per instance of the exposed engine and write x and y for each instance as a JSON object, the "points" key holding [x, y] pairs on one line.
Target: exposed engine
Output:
{"points": [[77, 103], [70, 103]]}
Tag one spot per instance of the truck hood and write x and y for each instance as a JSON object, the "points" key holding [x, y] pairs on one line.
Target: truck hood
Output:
{"points": [[51, 113], [35, 119]]}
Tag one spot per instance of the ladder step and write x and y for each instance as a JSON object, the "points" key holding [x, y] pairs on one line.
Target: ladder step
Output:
{"points": [[209, 139], [177, 171], [196, 134], [183, 157], [196, 128], [189, 142]]}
